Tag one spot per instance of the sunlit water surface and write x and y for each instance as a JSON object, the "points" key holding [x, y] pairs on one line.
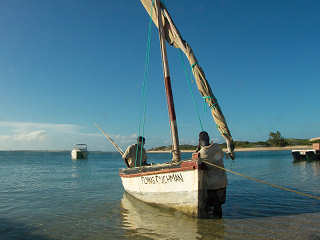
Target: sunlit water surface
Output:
{"points": [[47, 196]]}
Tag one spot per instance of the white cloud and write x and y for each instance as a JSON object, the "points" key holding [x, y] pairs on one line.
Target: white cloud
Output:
{"points": [[125, 139], [51, 136], [23, 140], [38, 136], [25, 126]]}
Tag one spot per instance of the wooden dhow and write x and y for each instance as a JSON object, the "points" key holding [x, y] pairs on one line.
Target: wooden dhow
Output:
{"points": [[178, 184], [173, 185]]}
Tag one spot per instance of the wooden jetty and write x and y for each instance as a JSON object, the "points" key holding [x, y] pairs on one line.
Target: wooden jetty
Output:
{"points": [[307, 154]]}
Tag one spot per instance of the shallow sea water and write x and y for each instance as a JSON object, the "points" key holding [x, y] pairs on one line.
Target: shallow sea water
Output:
{"points": [[47, 196]]}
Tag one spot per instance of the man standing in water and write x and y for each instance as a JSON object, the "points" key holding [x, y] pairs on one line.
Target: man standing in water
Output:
{"points": [[135, 155], [215, 179]]}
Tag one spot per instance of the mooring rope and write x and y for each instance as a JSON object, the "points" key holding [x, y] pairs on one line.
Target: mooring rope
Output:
{"points": [[264, 182]]}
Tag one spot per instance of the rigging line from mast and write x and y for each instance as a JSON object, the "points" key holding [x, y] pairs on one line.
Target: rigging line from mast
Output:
{"points": [[145, 78], [203, 86], [174, 38], [190, 89]]}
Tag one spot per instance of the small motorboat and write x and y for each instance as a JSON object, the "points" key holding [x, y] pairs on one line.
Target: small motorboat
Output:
{"points": [[79, 151]]}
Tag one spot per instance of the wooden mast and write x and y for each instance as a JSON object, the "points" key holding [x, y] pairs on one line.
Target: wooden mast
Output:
{"points": [[167, 82]]}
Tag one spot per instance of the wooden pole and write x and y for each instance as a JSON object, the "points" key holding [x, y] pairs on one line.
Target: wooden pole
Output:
{"points": [[113, 143], [167, 82]]}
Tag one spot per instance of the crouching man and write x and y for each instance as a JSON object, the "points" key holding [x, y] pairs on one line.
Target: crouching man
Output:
{"points": [[135, 155]]}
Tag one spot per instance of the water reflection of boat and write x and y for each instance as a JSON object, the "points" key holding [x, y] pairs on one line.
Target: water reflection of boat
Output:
{"points": [[143, 220], [315, 166], [79, 169]]}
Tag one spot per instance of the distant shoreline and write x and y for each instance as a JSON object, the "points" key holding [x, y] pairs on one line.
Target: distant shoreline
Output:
{"points": [[251, 149], [254, 149]]}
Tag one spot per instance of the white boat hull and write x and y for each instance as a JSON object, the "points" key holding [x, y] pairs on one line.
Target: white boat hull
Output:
{"points": [[179, 187], [78, 154]]}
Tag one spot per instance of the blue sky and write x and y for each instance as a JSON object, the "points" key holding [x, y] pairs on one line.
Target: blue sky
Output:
{"points": [[67, 64]]}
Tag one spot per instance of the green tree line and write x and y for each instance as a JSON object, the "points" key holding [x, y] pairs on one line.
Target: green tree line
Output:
{"points": [[275, 139]]}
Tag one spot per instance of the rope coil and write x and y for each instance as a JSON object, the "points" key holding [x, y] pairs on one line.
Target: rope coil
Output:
{"points": [[193, 65], [213, 105]]}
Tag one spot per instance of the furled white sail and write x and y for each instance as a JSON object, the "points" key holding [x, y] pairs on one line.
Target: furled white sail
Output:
{"points": [[174, 38]]}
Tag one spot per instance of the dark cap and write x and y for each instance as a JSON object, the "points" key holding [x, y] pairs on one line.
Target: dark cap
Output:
{"points": [[204, 136], [204, 139], [141, 139]]}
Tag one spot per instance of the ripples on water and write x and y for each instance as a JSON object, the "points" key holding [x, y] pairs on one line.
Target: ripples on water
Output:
{"points": [[47, 196]]}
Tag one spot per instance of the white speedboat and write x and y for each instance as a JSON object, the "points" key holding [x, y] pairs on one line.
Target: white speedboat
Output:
{"points": [[79, 151]]}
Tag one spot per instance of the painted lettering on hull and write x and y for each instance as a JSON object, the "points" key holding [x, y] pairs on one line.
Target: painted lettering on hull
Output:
{"points": [[163, 179]]}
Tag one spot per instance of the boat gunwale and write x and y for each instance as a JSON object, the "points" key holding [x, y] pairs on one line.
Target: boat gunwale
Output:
{"points": [[159, 169]]}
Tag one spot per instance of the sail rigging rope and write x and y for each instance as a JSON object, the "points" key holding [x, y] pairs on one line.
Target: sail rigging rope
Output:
{"points": [[264, 182], [145, 78], [174, 38], [190, 88], [214, 102]]}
